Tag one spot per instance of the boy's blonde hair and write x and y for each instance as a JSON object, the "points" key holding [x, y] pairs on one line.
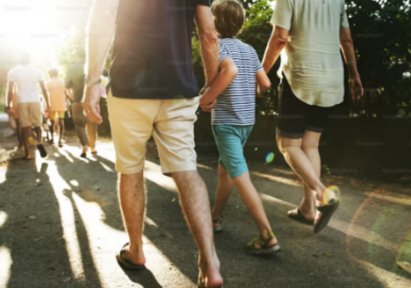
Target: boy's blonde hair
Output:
{"points": [[229, 17]]}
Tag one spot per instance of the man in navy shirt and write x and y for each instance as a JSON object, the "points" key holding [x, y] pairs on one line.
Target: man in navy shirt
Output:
{"points": [[152, 92]]}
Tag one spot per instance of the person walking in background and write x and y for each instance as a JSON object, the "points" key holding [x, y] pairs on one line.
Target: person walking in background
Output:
{"points": [[233, 118], [14, 116], [58, 104], [86, 130], [311, 31], [28, 78], [153, 92]]}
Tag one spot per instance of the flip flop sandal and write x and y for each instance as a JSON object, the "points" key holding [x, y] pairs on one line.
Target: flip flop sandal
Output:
{"points": [[217, 228], [327, 212], [298, 216], [42, 150], [265, 249], [83, 155], [127, 263]]}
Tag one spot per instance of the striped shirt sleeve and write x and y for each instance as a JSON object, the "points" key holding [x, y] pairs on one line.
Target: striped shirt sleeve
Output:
{"points": [[223, 54]]}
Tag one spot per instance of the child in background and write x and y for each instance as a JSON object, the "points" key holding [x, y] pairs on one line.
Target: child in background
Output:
{"points": [[233, 118]]}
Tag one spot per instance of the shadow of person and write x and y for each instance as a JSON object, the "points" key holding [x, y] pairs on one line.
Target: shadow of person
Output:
{"points": [[145, 278], [33, 232]]}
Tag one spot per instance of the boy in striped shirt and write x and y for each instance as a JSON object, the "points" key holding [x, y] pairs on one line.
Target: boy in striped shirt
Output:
{"points": [[233, 118]]}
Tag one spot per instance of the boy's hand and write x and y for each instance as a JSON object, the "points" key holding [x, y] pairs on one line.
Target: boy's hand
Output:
{"points": [[208, 107]]}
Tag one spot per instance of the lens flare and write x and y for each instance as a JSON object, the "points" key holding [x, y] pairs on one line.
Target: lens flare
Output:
{"points": [[269, 158], [332, 192]]}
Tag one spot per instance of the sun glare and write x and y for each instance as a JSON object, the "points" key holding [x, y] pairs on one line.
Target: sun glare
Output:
{"points": [[38, 26]]}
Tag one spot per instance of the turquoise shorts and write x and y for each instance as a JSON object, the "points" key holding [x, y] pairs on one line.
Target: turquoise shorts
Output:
{"points": [[230, 140]]}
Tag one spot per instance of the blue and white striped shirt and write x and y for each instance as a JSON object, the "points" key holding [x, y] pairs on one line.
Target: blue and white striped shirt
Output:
{"points": [[236, 105]]}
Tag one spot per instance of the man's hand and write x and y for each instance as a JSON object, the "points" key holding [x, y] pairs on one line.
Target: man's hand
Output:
{"points": [[356, 88], [91, 104]]}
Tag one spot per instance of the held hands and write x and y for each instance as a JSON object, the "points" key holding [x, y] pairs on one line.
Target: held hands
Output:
{"points": [[356, 88], [91, 103], [207, 107]]}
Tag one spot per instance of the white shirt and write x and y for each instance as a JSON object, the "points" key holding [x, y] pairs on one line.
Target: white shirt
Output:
{"points": [[27, 78], [313, 66]]}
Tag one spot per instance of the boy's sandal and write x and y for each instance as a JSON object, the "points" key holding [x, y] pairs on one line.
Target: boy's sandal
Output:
{"points": [[218, 228], [326, 213], [127, 263], [298, 216], [265, 249]]}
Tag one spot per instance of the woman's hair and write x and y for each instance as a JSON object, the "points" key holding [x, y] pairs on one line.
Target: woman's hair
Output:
{"points": [[229, 17]]}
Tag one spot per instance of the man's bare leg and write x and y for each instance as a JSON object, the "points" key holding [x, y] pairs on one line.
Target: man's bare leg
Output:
{"points": [[61, 131], [225, 185], [194, 201], [39, 134], [132, 204], [51, 127], [25, 131], [302, 166], [19, 133]]}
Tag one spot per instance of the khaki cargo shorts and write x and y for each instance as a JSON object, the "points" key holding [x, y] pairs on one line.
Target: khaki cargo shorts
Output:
{"points": [[170, 122], [30, 114]]}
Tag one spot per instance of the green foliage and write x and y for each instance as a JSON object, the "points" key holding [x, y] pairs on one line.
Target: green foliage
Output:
{"points": [[381, 33]]}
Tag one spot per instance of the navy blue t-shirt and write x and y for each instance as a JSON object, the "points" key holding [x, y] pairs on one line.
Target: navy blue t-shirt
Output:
{"points": [[152, 49]]}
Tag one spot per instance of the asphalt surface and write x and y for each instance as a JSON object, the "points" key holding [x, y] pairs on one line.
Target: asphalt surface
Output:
{"points": [[60, 226]]}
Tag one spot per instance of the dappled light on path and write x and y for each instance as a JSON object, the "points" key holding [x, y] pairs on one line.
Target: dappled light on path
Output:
{"points": [[67, 221], [5, 265]]}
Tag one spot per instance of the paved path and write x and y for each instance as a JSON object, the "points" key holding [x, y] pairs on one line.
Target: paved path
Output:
{"points": [[60, 226]]}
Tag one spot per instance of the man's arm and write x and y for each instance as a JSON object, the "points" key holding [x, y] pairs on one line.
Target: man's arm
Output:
{"points": [[209, 42], [69, 94], [45, 93], [276, 44], [347, 46], [228, 72], [10, 89], [100, 33]]}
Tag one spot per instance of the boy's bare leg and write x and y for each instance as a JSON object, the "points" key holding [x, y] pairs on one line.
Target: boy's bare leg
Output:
{"points": [[195, 203], [254, 205], [225, 185], [132, 203]]}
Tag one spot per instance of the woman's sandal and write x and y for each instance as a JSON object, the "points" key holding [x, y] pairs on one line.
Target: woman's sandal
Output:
{"points": [[265, 249], [127, 263], [218, 228], [298, 216], [326, 213]]}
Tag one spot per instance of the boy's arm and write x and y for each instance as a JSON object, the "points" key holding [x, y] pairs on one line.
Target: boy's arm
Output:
{"points": [[228, 72], [263, 82]]}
